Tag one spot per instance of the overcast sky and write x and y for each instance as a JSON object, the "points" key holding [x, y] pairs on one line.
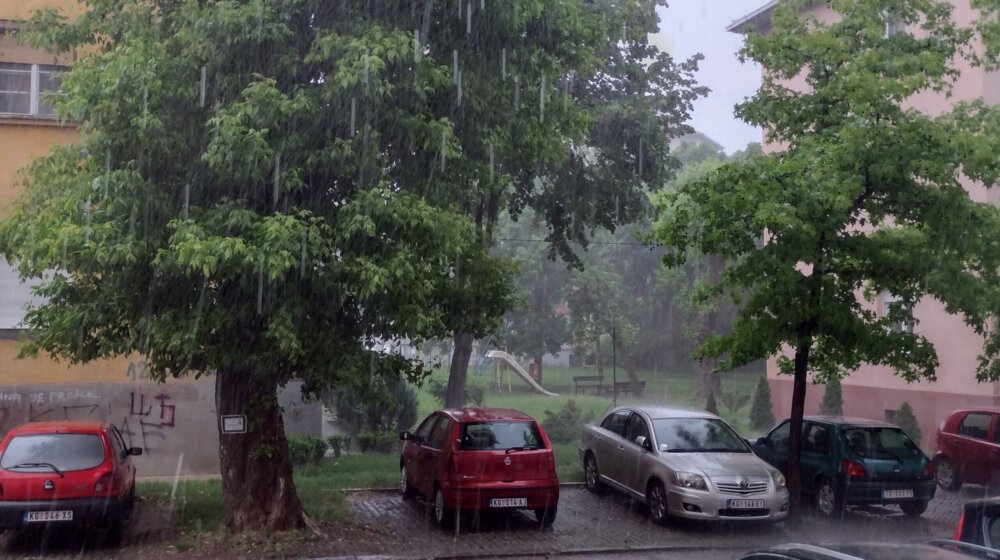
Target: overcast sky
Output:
{"points": [[693, 26]]}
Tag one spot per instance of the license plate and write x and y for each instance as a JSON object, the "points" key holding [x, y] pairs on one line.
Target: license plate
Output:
{"points": [[508, 502], [746, 504], [37, 516], [908, 493]]}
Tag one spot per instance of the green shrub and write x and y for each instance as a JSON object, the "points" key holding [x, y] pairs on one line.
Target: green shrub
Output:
{"points": [[907, 421], [393, 409], [711, 405], [339, 444], [377, 442], [761, 411], [564, 426], [306, 450], [833, 399], [475, 391]]}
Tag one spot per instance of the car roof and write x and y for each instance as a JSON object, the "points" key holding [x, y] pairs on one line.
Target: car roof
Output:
{"points": [[987, 409], [486, 414], [655, 411], [851, 421], [61, 426]]}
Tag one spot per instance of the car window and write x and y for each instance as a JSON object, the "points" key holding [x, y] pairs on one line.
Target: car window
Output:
{"points": [[975, 425], [996, 432], [636, 427], [616, 422], [817, 439], [880, 443], [779, 436], [993, 531], [500, 435], [66, 452], [440, 433], [700, 435], [424, 431], [117, 451]]}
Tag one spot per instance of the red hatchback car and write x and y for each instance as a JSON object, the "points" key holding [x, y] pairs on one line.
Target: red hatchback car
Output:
{"points": [[73, 473], [480, 459], [967, 449]]}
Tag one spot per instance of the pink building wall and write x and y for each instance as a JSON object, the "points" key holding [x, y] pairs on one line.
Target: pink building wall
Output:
{"points": [[872, 391]]}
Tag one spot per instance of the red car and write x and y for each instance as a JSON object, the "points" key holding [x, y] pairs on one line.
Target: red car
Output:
{"points": [[967, 449], [72, 473], [480, 459]]}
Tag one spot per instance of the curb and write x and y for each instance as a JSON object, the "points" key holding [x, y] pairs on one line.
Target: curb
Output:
{"points": [[387, 490], [543, 553]]}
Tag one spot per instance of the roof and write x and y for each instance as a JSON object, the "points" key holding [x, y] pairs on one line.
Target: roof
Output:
{"points": [[847, 420], [665, 411], [60, 426], [757, 20], [486, 414]]}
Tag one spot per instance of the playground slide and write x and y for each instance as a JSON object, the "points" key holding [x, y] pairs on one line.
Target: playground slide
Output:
{"points": [[510, 361]]}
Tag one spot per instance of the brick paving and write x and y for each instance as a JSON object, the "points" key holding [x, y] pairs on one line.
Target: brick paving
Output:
{"points": [[612, 521]]}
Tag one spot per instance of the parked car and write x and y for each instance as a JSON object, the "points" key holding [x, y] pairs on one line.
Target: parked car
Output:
{"points": [[72, 473], [681, 462], [854, 461], [967, 449], [979, 524], [480, 459], [936, 550]]}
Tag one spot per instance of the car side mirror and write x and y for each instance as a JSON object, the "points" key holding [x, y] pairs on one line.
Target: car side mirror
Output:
{"points": [[643, 442], [405, 436], [764, 441], [135, 451]]}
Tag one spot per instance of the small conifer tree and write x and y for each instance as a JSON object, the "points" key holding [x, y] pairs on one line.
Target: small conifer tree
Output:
{"points": [[761, 410], [906, 420], [833, 399]]}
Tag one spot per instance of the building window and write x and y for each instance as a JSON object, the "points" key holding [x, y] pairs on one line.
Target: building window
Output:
{"points": [[893, 305], [27, 89]]}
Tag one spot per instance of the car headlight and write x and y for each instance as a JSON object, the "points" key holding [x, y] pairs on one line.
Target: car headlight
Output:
{"points": [[779, 479], [690, 480]]}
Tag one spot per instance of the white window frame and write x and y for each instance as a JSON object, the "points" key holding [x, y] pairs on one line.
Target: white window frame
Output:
{"points": [[888, 300], [35, 99]]}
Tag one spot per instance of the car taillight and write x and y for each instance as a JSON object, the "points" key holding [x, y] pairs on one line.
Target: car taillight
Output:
{"points": [[104, 483], [929, 470], [852, 468], [958, 528]]}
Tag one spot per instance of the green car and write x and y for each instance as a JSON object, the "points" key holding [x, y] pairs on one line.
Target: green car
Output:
{"points": [[847, 461]]}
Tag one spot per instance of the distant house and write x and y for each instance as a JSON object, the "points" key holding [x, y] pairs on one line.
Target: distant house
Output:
{"points": [[875, 391], [697, 138]]}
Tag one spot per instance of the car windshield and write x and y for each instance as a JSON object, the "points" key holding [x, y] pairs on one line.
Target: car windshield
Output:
{"points": [[500, 435], [697, 435], [42, 452], [881, 443]]}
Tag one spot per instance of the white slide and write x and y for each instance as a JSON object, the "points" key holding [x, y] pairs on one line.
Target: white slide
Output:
{"points": [[510, 361]]}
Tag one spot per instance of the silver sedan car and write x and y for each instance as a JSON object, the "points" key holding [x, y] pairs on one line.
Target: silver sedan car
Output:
{"points": [[681, 462]]}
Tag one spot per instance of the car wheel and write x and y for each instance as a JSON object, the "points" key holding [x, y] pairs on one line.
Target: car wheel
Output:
{"points": [[442, 514], [829, 503], [130, 501], [404, 484], [546, 516], [113, 534], [656, 500], [946, 476], [915, 508], [592, 478]]}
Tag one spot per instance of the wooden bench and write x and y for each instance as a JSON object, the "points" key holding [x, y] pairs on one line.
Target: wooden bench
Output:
{"points": [[622, 387], [588, 382]]}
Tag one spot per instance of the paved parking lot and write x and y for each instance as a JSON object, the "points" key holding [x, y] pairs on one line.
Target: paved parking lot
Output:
{"points": [[589, 522]]}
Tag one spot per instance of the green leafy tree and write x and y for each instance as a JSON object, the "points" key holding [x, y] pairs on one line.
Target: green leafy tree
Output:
{"points": [[864, 199], [906, 420], [833, 398], [761, 411], [260, 192]]}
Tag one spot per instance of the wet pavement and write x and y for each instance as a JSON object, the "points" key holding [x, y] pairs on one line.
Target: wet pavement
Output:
{"points": [[591, 524]]}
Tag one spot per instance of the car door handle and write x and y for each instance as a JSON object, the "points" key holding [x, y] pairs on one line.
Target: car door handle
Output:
{"points": [[956, 441], [621, 448]]}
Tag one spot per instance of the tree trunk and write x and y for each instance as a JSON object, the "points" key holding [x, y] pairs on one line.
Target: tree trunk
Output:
{"points": [[795, 435], [633, 377], [257, 487], [538, 367], [708, 379], [455, 395], [597, 352]]}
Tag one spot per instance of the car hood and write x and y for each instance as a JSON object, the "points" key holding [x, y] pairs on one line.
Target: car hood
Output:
{"points": [[719, 464]]}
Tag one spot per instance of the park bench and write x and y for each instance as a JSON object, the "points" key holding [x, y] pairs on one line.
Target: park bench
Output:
{"points": [[622, 387], [588, 382]]}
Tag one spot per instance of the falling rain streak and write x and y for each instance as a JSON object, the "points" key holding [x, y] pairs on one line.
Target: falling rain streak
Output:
{"points": [[541, 99], [468, 19], [503, 63], [517, 93], [277, 179], [187, 199], [204, 79], [354, 114], [492, 156], [302, 261], [444, 138], [260, 285]]}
